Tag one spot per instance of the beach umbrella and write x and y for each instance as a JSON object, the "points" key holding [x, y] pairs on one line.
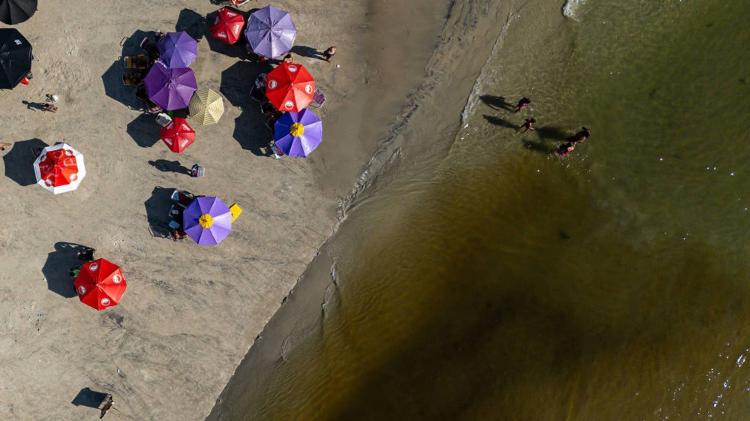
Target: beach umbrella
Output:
{"points": [[15, 58], [59, 168], [207, 220], [290, 87], [177, 135], [16, 11], [100, 284], [177, 49], [228, 25], [170, 89], [206, 107], [270, 32], [298, 134]]}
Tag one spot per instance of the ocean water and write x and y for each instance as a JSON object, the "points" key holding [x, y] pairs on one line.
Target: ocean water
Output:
{"points": [[502, 282]]}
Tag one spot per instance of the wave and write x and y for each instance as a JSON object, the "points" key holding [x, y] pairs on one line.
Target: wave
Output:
{"points": [[571, 9]]}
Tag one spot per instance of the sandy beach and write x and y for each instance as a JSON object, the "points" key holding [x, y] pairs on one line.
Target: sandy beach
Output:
{"points": [[190, 313]]}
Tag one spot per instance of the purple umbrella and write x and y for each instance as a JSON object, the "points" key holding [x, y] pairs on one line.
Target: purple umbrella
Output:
{"points": [[177, 49], [207, 220], [270, 32], [170, 89], [298, 134]]}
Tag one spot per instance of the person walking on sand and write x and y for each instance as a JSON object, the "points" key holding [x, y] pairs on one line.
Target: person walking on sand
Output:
{"points": [[522, 103], [108, 402], [329, 53], [527, 125]]}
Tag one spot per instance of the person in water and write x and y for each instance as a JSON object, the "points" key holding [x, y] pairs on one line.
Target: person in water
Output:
{"points": [[527, 125], [522, 103], [565, 149], [581, 136]]}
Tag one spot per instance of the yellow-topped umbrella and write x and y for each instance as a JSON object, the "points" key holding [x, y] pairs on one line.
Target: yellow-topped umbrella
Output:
{"points": [[206, 107]]}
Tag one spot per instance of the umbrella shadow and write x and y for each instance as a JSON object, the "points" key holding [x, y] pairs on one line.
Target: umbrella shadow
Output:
{"points": [[309, 52], [157, 210], [191, 22], [169, 166], [251, 132], [19, 161], [116, 89], [89, 398], [56, 269], [497, 121], [497, 102], [112, 77], [237, 81], [144, 130], [236, 50]]}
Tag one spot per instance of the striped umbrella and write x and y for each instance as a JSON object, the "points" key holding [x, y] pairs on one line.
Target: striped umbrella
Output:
{"points": [[206, 107]]}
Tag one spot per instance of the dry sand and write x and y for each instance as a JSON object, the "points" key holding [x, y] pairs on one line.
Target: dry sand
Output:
{"points": [[190, 313]]}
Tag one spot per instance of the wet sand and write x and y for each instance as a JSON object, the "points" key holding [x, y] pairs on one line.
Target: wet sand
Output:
{"points": [[466, 33], [190, 313]]}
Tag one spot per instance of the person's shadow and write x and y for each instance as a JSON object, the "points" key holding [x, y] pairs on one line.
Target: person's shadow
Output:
{"points": [[552, 133], [497, 102], [310, 52], [169, 166], [144, 130], [19, 161], [497, 121], [157, 211], [89, 398], [56, 269]]}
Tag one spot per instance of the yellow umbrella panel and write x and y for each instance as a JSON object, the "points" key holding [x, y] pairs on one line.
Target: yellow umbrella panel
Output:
{"points": [[206, 107]]}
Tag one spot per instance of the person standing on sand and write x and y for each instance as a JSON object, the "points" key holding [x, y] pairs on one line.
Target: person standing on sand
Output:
{"points": [[288, 58], [527, 125], [522, 103], [329, 53], [108, 402]]}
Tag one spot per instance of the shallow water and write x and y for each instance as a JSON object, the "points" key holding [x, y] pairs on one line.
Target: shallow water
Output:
{"points": [[506, 283]]}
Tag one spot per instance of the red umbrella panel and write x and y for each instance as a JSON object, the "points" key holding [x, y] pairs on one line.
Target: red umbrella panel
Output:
{"points": [[228, 25], [100, 284], [59, 168], [290, 87], [177, 135]]}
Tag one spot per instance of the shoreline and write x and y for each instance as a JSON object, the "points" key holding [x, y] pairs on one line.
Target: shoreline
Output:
{"points": [[303, 313]]}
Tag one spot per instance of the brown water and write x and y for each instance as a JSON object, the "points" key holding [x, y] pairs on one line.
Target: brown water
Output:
{"points": [[499, 282]]}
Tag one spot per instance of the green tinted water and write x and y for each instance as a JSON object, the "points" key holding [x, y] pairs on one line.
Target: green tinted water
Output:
{"points": [[515, 285]]}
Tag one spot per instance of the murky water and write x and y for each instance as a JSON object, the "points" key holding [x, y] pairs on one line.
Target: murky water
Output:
{"points": [[515, 285]]}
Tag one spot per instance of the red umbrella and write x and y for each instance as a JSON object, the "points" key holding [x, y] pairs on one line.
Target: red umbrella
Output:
{"points": [[290, 87], [100, 284], [228, 25], [178, 135]]}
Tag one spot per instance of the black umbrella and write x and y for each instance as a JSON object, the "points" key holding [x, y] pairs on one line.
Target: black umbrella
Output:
{"points": [[16, 11], [15, 58]]}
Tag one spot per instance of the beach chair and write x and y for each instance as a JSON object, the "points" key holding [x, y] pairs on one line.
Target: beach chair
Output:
{"points": [[236, 211], [318, 99], [163, 119], [139, 62]]}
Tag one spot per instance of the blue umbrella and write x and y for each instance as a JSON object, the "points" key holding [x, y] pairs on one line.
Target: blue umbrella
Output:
{"points": [[270, 32], [177, 49], [298, 134], [207, 220]]}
